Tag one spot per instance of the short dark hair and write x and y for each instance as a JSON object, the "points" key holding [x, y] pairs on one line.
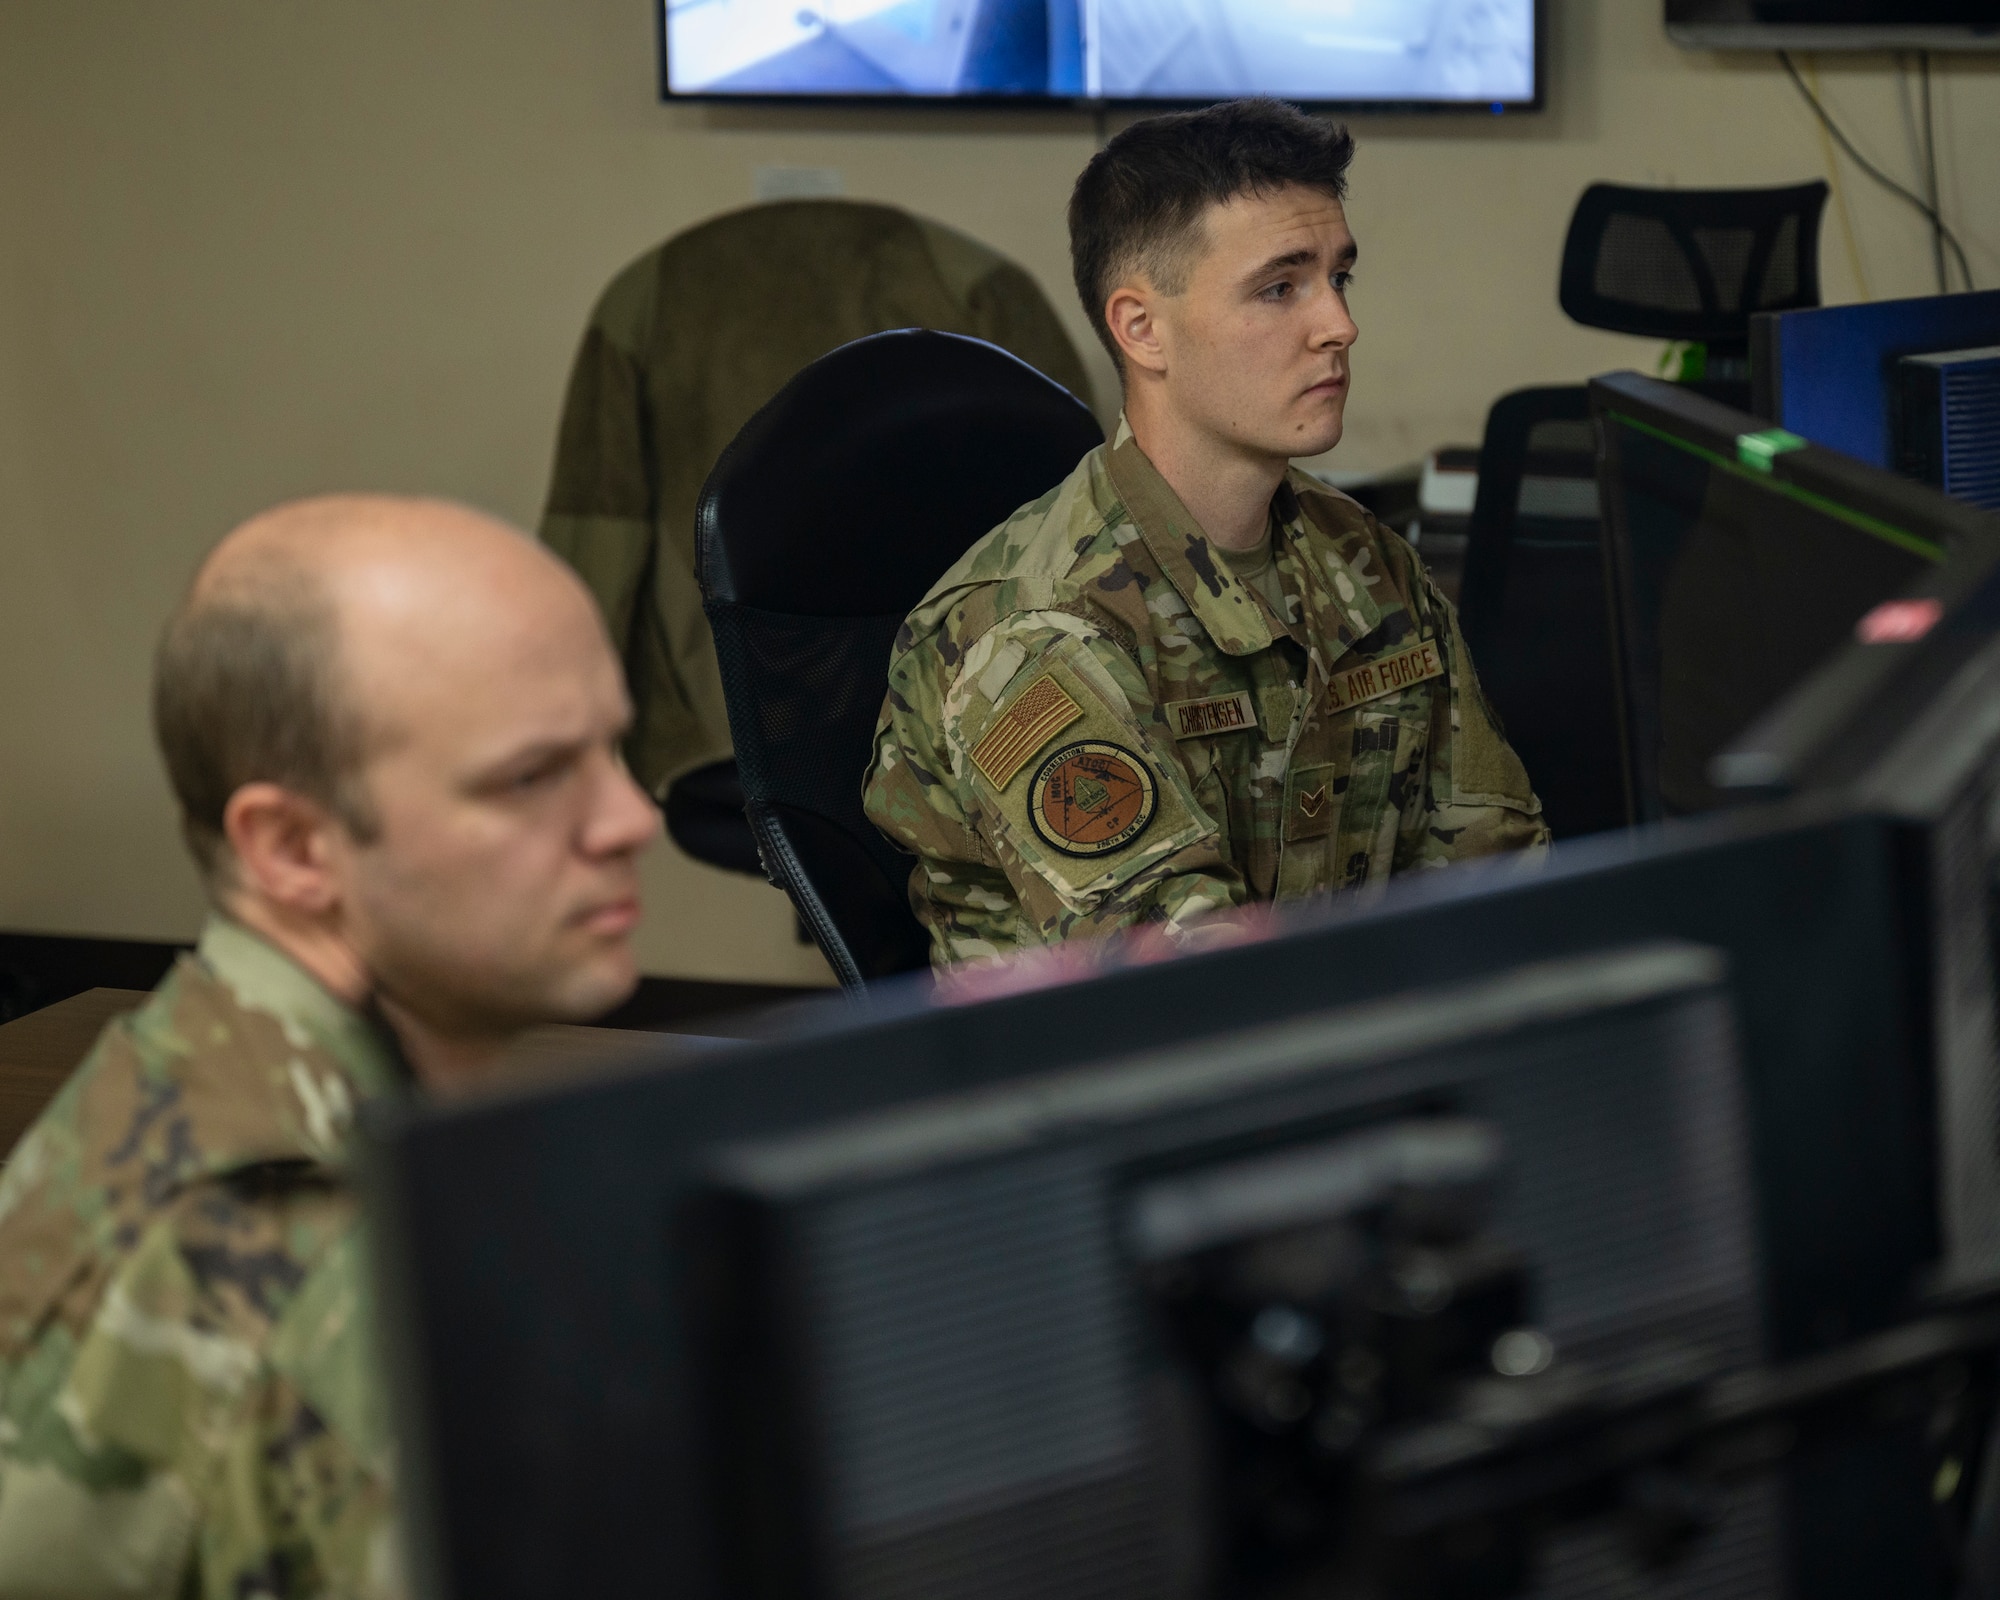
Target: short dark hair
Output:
{"points": [[1141, 200], [245, 690]]}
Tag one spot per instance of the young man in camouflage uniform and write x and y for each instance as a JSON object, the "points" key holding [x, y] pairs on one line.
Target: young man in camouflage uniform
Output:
{"points": [[393, 729], [1190, 677]]}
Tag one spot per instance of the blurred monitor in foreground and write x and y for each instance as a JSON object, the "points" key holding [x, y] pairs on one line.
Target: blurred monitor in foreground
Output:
{"points": [[1473, 54], [611, 1303], [1184, 1323], [1740, 558], [1904, 720]]}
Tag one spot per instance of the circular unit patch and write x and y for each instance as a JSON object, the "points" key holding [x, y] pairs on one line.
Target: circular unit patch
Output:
{"points": [[1090, 798]]}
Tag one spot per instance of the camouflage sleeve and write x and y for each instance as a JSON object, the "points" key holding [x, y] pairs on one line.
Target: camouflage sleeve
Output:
{"points": [[161, 1450], [1477, 800], [1040, 804]]}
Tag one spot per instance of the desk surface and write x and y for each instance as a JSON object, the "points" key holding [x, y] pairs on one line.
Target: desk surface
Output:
{"points": [[38, 1052]]}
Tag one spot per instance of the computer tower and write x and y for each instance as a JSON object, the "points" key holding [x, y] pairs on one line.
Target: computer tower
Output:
{"points": [[1948, 422]]}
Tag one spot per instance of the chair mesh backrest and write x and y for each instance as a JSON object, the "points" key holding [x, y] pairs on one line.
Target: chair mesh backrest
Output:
{"points": [[825, 521], [1691, 263]]}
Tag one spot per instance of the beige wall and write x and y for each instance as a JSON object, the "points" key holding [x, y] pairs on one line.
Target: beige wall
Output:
{"points": [[253, 249]]}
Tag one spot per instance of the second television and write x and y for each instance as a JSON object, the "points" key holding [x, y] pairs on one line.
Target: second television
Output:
{"points": [[1473, 55]]}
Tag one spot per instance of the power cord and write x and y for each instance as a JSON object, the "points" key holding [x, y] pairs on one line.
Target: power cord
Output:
{"points": [[1930, 171], [1941, 234]]}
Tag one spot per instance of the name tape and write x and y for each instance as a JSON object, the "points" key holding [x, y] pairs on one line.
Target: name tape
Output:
{"points": [[1373, 679], [1219, 713]]}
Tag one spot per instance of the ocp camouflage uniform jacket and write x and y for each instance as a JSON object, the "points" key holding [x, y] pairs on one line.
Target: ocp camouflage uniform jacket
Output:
{"points": [[1092, 722], [188, 1405]]}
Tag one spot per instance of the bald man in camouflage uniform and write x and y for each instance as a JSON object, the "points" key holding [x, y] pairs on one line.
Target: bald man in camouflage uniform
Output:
{"points": [[393, 729], [1110, 713]]}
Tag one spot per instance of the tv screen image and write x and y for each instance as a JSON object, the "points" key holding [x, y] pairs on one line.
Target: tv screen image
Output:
{"points": [[1478, 54]]}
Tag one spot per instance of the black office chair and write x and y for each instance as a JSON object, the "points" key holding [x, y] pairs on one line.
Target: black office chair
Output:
{"points": [[824, 522], [1693, 264], [1532, 605]]}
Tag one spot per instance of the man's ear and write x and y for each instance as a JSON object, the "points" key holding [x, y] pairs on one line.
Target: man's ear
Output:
{"points": [[283, 845], [1131, 315]]}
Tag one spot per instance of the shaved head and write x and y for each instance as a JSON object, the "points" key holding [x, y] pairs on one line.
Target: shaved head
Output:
{"points": [[255, 675], [393, 726]]}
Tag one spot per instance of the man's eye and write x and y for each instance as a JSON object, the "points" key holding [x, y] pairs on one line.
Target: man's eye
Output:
{"points": [[536, 776], [1343, 281], [1276, 291]]}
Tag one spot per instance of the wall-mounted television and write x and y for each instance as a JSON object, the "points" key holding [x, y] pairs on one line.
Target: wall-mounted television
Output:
{"points": [[1471, 55], [1835, 24]]}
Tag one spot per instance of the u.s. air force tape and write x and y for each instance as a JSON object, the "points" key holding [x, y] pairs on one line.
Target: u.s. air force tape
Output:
{"points": [[1038, 714], [1091, 798], [1373, 679]]}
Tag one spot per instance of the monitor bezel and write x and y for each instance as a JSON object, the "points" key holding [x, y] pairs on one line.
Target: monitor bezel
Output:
{"points": [[1537, 102]]}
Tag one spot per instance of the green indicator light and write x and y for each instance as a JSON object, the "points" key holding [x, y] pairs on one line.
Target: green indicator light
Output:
{"points": [[1758, 450]]}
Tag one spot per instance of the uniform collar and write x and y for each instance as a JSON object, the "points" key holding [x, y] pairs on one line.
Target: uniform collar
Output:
{"points": [[263, 978], [1220, 601], [270, 1066]]}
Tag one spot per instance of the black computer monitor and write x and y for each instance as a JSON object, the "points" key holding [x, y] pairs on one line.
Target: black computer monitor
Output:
{"points": [[537, 1279], [1149, 1327], [1904, 718], [1738, 558]]}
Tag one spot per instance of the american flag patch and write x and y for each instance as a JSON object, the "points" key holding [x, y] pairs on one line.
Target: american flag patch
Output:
{"points": [[1038, 714]]}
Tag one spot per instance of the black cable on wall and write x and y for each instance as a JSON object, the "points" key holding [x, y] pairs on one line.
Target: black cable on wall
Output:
{"points": [[1941, 234], [1931, 173]]}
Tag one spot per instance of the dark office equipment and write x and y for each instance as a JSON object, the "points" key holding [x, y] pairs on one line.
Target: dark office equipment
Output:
{"points": [[826, 519], [1948, 423], [1532, 604], [1739, 557], [1693, 264], [526, 1244], [1834, 24], [1829, 373], [1378, 54], [992, 1344], [1904, 718]]}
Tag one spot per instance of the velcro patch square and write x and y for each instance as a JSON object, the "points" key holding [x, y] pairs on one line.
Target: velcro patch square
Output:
{"points": [[1373, 679], [1038, 714]]}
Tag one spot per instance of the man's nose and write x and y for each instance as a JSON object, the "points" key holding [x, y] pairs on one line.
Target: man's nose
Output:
{"points": [[623, 819], [1336, 330]]}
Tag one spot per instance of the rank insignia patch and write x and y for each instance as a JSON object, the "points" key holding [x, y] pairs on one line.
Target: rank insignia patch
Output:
{"points": [[1091, 798], [1038, 714]]}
